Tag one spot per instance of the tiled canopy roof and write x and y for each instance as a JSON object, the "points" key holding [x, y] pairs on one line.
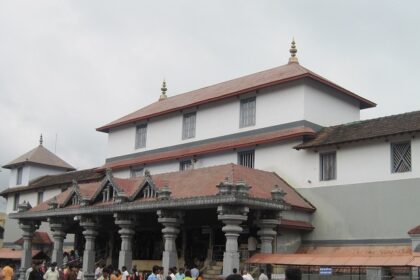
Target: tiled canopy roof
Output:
{"points": [[40, 238], [40, 155], [415, 230], [364, 130], [212, 147], [185, 184], [14, 254], [271, 77], [62, 180]]}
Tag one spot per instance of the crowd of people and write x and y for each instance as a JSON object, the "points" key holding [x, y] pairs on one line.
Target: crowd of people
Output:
{"points": [[73, 271]]}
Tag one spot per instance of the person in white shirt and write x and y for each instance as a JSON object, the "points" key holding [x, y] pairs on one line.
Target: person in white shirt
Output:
{"points": [[52, 273], [262, 275], [124, 273], [247, 276], [172, 272]]}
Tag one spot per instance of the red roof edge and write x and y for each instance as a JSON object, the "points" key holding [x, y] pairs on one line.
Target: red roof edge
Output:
{"points": [[106, 127], [131, 162], [292, 224], [415, 230]]}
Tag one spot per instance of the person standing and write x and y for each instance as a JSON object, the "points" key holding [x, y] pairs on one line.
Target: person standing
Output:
{"points": [[155, 271], [180, 274], [125, 274], [188, 275], [262, 275], [8, 272], [195, 272], [29, 270], [105, 274], [36, 273], [52, 273], [246, 275], [172, 273]]}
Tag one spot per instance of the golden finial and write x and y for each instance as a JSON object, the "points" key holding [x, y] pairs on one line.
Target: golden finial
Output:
{"points": [[40, 140], [163, 89], [293, 52]]}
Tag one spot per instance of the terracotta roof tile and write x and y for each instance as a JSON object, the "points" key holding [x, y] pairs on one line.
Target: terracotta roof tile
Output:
{"points": [[274, 76], [62, 180], [202, 182], [40, 238], [40, 155], [212, 147], [293, 224], [364, 130], [415, 230], [14, 254]]}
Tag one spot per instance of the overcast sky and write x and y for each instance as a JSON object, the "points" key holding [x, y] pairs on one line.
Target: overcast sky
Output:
{"points": [[67, 67]]}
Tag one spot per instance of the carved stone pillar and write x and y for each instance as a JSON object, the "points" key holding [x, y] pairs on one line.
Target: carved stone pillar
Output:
{"points": [[90, 225], [58, 227], [171, 220], [28, 230], [267, 234], [126, 224], [232, 217]]}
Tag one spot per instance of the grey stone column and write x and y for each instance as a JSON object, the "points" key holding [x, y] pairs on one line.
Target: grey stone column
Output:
{"points": [[171, 220], [59, 234], [91, 226], [126, 224], [267, 234], [232, 217], [28, 230]]}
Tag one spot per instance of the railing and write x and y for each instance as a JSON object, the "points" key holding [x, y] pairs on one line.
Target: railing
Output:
{"points": [[218, 251]]}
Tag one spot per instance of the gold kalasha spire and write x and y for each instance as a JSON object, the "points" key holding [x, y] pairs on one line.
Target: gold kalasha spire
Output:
{"points": [[163, 89], [293, 58]]}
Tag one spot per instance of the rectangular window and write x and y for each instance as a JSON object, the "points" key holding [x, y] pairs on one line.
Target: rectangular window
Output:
{"points": [[328, 166], [19, 176], [247, 112], [16, 202], [186, 165], [136, 171], [188, 125], [40, 197], [401, 157], [246, 158], [141, 135]]}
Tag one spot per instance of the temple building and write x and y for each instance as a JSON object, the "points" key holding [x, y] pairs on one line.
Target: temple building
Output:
{"points": [[274, 162]]}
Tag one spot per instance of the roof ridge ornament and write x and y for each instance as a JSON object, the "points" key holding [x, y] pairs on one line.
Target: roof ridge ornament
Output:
{"points": [[163, 89], [293, 50], [41, 140]]}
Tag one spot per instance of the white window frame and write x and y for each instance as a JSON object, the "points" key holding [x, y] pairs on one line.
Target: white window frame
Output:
{"points": [[186, 164], [40, 197], [16, 199], [136, 171], [402, 155], [141, 136], [19, 175], [188, 125], [249, 161], [247, 111], [323, 176]]}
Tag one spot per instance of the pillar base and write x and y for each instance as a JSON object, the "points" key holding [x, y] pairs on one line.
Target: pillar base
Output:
{"points": [[89, 276], [230, 261]]}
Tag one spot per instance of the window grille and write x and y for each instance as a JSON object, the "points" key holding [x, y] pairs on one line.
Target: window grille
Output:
{"points": [[186, 165], [188, 125], [75, 200], [401, 157], [16, 201], [141, 135], [136, 171], [149, 192], [40, 197], [247, 112], [328, 166], [19, 176], [246, 158]]}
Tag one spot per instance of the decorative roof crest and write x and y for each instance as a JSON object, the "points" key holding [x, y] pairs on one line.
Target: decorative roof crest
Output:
{"points": [[163, 89], [293, 50]]}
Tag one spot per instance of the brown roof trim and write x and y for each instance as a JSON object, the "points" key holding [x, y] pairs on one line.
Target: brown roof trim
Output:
{"points": [[212, 147], [292, 224], [364, 103]]}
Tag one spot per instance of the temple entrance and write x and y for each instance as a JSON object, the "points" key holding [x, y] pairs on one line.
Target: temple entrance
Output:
{"points": [[197, 245]]}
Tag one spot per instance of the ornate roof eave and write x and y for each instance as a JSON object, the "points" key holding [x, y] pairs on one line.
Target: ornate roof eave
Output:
{"points": [[74, 191], [149, 206], [109, 178]]}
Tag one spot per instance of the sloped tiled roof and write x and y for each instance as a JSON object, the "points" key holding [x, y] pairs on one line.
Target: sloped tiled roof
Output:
{"points": [[40, 155], [14, 254], [274, 76], [62, 180], [364, 130], [415, 230], [212, 147], [40, 238], [198, 183]]}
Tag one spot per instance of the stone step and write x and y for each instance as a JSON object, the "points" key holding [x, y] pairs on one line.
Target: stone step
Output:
{"points": [[216, 267], [210, 276], [213, 270]]}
